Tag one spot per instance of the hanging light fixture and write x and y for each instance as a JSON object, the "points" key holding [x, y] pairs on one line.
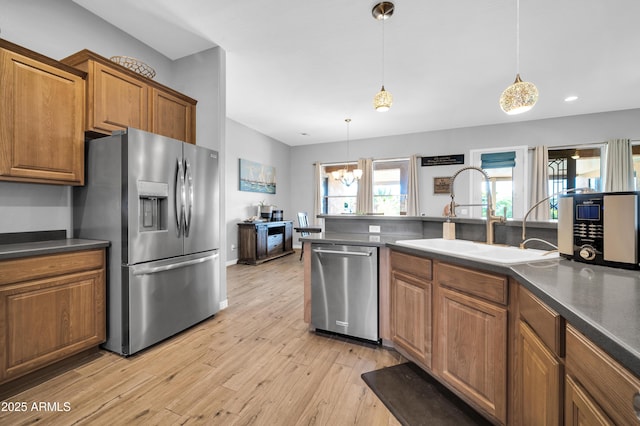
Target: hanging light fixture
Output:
{"points": [[382, 11], [347, 176], [521, 96], [576, 155]]}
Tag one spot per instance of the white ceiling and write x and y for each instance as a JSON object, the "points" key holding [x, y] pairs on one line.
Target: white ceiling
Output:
{"points": [[299, 67]]}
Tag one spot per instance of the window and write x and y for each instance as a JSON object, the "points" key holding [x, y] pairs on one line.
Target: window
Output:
{"points": [[508, 170], [338, 198], [635, 149], [571, 168], [390, 182]]}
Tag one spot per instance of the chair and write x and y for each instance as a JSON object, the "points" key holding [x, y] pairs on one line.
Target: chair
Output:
{"points": [[304, 229]]}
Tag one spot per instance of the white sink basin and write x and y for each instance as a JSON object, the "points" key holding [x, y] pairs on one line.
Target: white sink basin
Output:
{"points": [[500, 255]]}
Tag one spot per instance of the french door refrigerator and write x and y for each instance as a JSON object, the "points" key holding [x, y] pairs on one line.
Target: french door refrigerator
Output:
{"points": [[157, 200]]}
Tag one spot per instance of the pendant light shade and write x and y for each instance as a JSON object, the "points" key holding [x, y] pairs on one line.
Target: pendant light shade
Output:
{"points": [[383, 100], [382, 11], [521, 96]]}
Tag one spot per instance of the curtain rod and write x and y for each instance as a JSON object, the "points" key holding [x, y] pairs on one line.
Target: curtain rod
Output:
{"points": [[574, 146]]}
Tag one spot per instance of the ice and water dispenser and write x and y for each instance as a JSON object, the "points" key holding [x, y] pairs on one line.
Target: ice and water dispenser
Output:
{"points": [[153, 198]]}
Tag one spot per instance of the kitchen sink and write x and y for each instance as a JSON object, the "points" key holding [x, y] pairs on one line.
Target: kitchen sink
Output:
{"points": [[496, 254]]}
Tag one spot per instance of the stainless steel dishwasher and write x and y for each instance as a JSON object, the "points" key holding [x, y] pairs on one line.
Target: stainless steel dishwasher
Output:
{"points": [[344, 290]]}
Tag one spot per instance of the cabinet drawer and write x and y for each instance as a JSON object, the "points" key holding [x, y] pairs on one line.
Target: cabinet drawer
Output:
{"points": [[30, 268], [413, 265], [546, 323], [611, 386], [485, 285]]}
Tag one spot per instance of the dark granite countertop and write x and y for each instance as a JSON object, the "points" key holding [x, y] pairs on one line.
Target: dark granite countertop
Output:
{"points": [[37, 248], [601, 302]]}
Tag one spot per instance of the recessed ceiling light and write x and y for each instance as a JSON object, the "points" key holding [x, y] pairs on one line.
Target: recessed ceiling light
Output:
{"points": [[304, 134], [571, 98]]}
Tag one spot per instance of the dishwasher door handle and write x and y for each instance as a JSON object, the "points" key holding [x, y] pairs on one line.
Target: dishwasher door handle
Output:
{"points": [[348, 253]]}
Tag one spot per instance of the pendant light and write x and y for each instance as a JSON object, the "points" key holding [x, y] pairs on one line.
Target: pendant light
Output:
{"points": [[521, 96], [346, 176], [382, 11]]}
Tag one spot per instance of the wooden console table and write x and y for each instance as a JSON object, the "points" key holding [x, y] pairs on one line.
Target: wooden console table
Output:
{"points": [[262, 241]]}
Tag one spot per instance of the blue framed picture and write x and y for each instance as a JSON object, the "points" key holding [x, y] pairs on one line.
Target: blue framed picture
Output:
{"points": [[256, 177]]}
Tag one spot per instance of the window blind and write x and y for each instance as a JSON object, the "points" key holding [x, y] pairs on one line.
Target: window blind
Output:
{"points": [[497, 160]]}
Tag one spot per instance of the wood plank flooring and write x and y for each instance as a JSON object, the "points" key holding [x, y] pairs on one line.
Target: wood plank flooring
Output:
{"points": [[255, 363]]}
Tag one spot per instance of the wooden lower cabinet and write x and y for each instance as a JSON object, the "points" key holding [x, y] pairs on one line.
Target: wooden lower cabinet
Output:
{"points": [[598, 388], [580, 409], [471, 340], [541, 381], [412, 306], [51, 307]]}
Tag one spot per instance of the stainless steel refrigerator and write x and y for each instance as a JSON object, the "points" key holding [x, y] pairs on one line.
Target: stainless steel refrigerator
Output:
{"points": [[157, 200]]}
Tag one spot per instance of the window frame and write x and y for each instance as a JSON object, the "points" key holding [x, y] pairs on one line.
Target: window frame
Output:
{"points": [[520, 176]]}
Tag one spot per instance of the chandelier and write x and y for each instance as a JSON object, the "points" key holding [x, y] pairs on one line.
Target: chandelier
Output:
{"points": [[346, 175], [521, 96], [382, 11]]}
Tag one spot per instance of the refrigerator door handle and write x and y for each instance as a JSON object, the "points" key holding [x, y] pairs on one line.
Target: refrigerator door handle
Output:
{"points": [[188, 196], [180, 197], [168, 267]]}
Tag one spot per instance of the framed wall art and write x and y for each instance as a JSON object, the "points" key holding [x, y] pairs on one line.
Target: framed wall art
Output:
{"points": [[441, 185], [256, 177]]}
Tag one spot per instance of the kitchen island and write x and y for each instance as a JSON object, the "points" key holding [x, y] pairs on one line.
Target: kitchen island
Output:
{"points": [[547, 316]]}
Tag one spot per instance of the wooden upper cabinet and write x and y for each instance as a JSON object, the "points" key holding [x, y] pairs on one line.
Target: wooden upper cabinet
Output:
{"points": [[41, 118], [118, 98], [115, 100], [172, 116]]}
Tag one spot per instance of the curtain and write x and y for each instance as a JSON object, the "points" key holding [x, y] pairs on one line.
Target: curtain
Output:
{"points": [[413, 192], [619, 166], [317, 196], [364, 203], [540, 183]]}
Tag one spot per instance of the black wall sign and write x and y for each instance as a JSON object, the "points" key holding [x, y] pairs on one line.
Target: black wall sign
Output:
{"points": [[443, 160]]}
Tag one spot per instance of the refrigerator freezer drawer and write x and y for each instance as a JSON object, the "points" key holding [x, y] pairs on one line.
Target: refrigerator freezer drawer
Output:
{"points": [[168, 296]]}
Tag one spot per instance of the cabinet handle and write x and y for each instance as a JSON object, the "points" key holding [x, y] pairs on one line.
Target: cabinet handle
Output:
{"points": [[636, 404]]}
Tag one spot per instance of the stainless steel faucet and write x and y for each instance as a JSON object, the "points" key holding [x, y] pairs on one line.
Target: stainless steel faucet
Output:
{"points": [[491, 211]]}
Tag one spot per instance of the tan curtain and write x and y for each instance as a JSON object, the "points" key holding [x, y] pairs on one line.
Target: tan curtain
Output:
{"points": [[364, 202], [413, 191], [619, 166], [540, 183], [317, 196]]}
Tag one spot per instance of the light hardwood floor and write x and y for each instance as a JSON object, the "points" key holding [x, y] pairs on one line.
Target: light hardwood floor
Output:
{"points": [[255, 363]]}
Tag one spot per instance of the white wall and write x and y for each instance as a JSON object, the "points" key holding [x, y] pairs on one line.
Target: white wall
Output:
{"points": [[245, 143], [580, 129]]}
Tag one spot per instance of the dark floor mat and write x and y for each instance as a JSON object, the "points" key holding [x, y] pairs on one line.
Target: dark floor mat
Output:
{"points": [[415, 398]]}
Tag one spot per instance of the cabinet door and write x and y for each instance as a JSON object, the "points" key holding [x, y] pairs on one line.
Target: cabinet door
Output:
{"points": [[580, 409], [411, 320], [48, 319], [262, 241], [116, 100], [172, 116], [541, 381], [41, 118], [472, 350]]}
